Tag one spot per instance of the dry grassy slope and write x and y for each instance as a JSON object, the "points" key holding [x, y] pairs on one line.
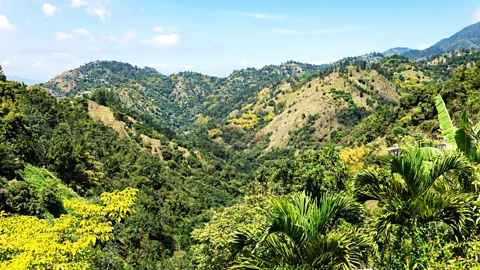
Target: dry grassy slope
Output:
{"points": [[411, 77], [318, 99], [442, 59], [65, 82], [103, 114]]}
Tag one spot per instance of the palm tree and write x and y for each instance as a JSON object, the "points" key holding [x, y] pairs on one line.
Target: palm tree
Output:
{"points": [[418, 190], [304, 234]]}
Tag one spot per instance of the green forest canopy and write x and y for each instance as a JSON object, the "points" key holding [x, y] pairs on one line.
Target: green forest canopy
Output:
{"points": [[234, 205]]}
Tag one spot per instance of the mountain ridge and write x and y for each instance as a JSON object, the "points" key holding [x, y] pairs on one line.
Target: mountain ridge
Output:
{"points": [[466, 38], [186, 94]]}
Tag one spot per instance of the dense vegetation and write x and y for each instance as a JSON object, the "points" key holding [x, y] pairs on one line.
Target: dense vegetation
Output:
{"points": [[176, 100], [191, 181], [38, 132]]}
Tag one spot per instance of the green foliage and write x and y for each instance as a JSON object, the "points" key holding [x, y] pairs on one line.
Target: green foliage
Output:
{"points": [[45, 180], [214, 249], [3, 78], [415, 191], [67, 242], [91, 158], [448, 130], [465, 137], [304, 233], [175, 100], [422, 206], [302, 137], [312, 171]]}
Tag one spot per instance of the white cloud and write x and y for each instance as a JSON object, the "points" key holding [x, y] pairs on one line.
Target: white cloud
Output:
{"points": [[5, 24], [122, 39], [94, 7], [102, 13], [476, 16], [61, 55], [95, 49], [286, 32], [36, 64], [6, 63], [81, 31], [262, 16], [75, 32], [162, 40], [425, 46], [63, 36], [165, 29], [49, 10], [79, 3]]}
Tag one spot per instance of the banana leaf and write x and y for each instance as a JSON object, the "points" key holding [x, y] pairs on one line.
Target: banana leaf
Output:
{"points": [[446, 125]]}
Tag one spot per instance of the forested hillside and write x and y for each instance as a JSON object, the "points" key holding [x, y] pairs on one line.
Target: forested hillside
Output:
{"points": [[370, 162], [52, 151], [177, 99]]}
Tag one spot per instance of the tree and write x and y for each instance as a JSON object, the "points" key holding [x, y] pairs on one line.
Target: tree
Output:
{"points": [[418, 190], [67, 242], [303, 233], [315, 172], [214, 249], [3, 78]]}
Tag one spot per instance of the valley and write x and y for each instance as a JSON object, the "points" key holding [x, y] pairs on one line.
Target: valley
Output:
{"points": [[115, 166]]}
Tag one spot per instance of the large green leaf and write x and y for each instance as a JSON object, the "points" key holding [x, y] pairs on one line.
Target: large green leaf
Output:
{"points": [[446, 125], [465, 137]]}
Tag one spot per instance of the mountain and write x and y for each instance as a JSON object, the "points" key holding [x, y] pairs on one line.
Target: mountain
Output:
{"points": [[179, 99], [467, 38], [396, 51], [91, 176], [24, 80], [53, 151]]}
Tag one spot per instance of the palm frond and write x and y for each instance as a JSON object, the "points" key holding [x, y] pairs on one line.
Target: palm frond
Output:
{"points": [[457, 210], [381, 188], [302, 234], [450, 161]]}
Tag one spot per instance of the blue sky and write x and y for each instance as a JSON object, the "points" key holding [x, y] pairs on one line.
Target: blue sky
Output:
{"points": [[41, 39]]}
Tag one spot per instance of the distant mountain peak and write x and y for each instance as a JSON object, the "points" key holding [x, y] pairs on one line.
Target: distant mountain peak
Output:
{"points": [[395, 51], [467, 38]]}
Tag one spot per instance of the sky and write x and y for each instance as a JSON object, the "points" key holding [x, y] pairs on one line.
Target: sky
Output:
{"points": [[41, 39]]}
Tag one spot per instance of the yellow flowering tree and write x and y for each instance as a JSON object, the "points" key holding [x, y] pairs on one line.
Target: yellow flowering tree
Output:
{"points": [[353, 157], [269, 117], [67, 242], [215, 133], [247, 122]]}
